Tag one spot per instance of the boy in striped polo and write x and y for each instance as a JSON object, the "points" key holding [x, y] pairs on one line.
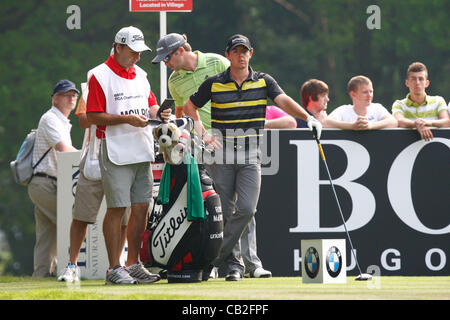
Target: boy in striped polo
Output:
{"points": [[419, 110], [238, 107]]}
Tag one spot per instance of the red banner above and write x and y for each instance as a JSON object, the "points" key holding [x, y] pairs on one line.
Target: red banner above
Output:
{"points": [[158, 5]]}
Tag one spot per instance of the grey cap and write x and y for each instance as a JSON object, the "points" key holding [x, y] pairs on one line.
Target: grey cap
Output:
{"points": [[167, 44]]}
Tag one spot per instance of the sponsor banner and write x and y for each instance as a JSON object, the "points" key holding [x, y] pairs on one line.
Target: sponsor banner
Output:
{"points": [[93, 258], [323, 261], [157, 5], [393, 189]]}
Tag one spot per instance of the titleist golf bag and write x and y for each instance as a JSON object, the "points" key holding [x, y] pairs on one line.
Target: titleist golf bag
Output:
{"points": [[171, 242]]}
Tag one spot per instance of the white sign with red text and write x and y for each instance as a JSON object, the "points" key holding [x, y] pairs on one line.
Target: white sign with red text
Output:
{"points": [[158, 5]]}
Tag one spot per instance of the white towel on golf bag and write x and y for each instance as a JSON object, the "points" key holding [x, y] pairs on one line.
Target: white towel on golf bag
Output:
{"points": [[92, 166]]}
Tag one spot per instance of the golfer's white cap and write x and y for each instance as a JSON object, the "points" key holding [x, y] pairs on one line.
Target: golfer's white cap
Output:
{"points": [[132, 37]]}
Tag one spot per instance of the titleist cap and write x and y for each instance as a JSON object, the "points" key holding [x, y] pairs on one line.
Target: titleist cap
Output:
{"points": [[132, 37]]}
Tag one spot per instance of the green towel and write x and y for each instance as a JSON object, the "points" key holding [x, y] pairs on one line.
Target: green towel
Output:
{"points": [[164, 185], [195, 207]]}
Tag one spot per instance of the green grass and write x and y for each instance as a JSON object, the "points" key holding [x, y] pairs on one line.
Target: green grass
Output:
{"points": [[277, 288]]}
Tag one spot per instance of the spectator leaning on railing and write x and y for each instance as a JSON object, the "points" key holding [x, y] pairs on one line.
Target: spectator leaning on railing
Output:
{"points": [[419, 110], [314, 94], [362, 114], [276, 118]]}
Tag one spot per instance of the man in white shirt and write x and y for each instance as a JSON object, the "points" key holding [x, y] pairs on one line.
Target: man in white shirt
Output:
{"points": [[448, 111], [53, 132], [362, 114]]}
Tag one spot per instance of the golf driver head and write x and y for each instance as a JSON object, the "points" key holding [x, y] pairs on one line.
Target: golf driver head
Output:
{"points": [[364, 277]]}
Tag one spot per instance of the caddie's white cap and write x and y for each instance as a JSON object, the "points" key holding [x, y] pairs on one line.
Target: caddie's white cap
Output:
{"points": [[132, 37]]}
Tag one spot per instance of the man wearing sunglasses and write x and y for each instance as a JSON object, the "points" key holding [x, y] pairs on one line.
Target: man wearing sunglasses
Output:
{"points": [[190, 69]]}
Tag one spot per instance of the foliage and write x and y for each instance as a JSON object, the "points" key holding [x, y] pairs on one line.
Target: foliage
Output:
{"points": [[294, 40]]}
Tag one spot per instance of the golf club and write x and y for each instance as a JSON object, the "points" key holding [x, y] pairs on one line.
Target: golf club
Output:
{"points": [[362, 276]]}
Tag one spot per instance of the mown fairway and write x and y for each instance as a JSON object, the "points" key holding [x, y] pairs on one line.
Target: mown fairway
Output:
{"points": [[277, 288]]}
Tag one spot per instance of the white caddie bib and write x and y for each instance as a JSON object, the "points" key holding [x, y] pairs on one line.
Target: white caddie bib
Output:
{"points": [[126, 144]]}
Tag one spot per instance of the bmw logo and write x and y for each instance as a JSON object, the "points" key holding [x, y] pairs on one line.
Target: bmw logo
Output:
{"points": [[312, 262], [334, 262]]}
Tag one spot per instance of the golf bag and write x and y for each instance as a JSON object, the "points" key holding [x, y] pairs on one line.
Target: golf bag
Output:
{"points": [[171, 242]]}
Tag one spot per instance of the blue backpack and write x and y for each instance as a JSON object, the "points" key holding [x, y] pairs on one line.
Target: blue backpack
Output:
{"points": [[22, 168]]}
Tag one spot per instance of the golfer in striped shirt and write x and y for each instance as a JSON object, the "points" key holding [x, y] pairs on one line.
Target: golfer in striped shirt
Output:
{"points": [[238, 107]]}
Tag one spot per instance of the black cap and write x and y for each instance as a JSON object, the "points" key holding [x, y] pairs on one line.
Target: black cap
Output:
{"points": [[64, 86], [238, 40]]}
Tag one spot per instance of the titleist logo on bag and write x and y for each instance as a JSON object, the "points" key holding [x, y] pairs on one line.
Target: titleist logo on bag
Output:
{"points": [[171, 229]]}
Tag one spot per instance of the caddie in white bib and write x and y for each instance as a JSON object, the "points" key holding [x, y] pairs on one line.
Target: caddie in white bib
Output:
{"points": [[126, 144]]}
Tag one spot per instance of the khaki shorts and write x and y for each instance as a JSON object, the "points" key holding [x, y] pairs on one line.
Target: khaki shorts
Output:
{"points": [[125, 184], [88, 199]]}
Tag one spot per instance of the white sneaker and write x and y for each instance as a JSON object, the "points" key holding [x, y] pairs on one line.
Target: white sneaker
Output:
{"points": [[260, 273], [142, 275], [119, 276], [71, 273], [214, 273]]}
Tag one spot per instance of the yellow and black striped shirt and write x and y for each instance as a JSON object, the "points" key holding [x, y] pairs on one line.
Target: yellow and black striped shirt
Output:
{"points": [[234, 108]]}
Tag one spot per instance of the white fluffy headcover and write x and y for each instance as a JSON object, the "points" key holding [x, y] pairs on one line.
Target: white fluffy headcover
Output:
{"points": [[167, 135]]}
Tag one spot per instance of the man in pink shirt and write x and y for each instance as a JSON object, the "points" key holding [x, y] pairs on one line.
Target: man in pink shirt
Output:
{"points": [[276, 118]]}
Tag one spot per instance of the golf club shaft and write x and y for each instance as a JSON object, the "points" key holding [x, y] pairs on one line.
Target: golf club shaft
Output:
{"points": [[340, 211], [322, 155]]}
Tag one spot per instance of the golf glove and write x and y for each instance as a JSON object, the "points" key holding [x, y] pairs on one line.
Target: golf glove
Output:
{"points": [[312, 122]]}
